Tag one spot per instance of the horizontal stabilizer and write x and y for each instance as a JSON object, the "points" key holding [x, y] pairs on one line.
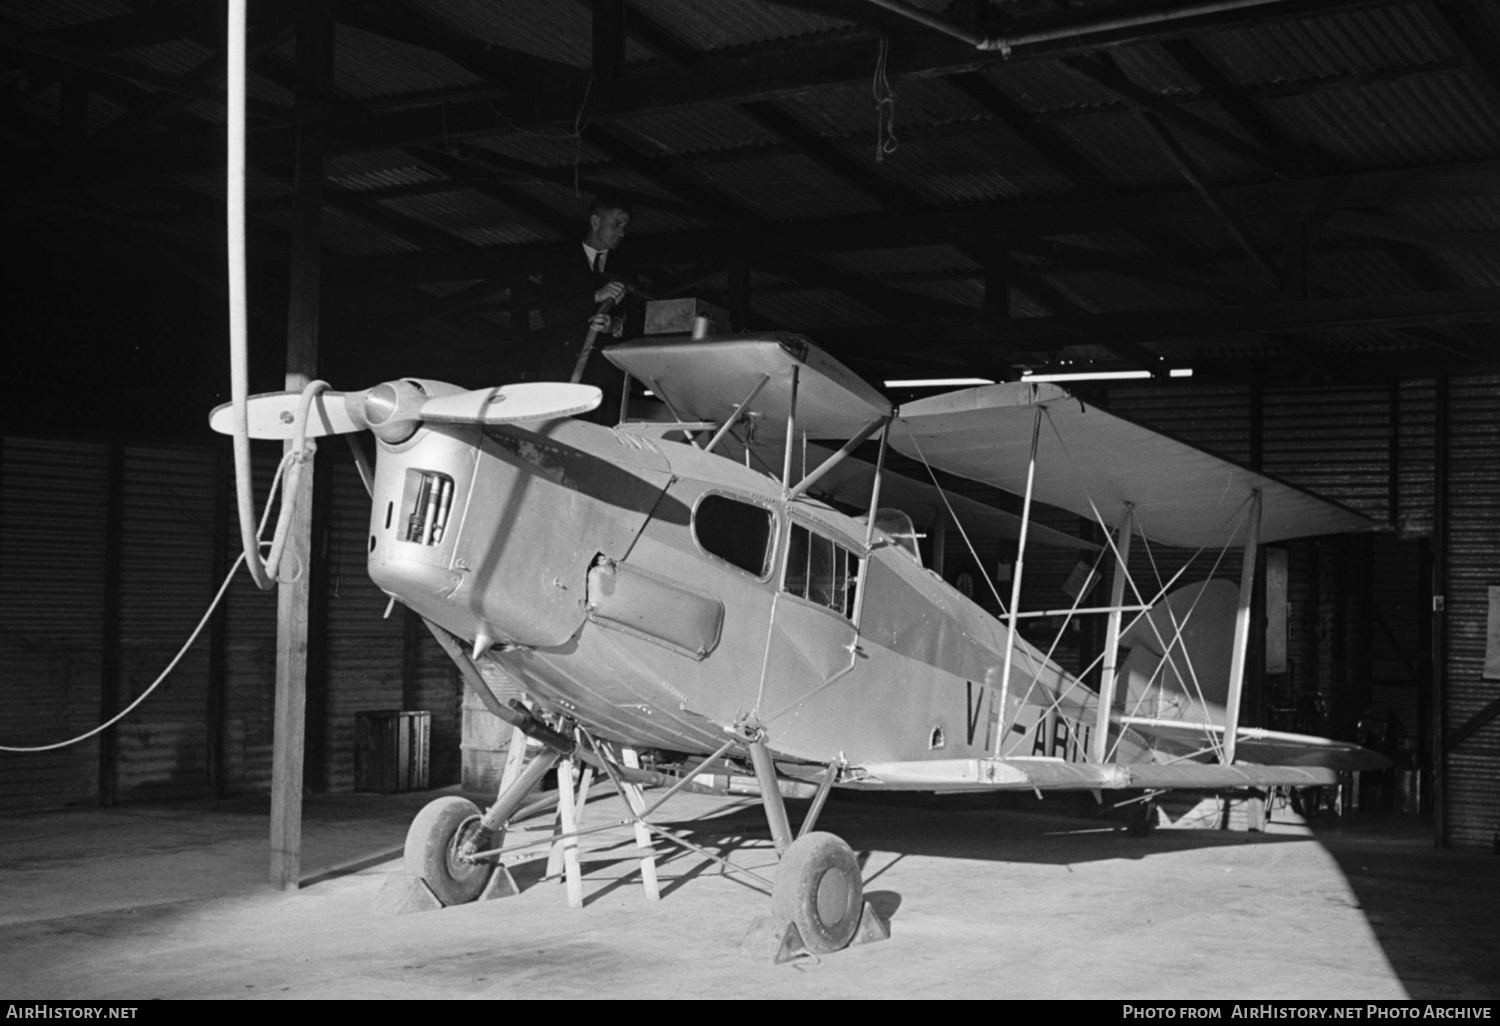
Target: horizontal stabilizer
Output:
{"points": [[1253, 744]]}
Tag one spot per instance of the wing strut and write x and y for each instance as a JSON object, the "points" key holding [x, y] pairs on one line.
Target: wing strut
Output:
{"points": [[1015, 584], [855, 442], [729, 421], [1112, 633], [1241, 630], [791, 434]]}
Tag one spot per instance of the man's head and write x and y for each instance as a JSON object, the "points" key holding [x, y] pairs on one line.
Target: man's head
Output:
{"points": [[609, 215]]}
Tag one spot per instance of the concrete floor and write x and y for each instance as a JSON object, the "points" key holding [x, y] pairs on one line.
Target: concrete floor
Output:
{"points": [[169, 901]]}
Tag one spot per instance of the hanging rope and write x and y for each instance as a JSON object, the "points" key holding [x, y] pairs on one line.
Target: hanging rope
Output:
{"points": [[885, 104]]}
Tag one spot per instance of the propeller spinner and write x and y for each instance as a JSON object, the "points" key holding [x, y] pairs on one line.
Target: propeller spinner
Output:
{"points": [[394, 410]]}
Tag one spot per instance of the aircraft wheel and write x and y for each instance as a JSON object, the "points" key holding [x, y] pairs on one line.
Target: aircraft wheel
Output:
{"points": [[1140, 820], [432, 845], [818, 887], [1307, 802]]}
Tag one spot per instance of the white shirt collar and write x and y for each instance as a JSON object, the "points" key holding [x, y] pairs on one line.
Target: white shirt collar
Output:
{"points": [[592, 253]]}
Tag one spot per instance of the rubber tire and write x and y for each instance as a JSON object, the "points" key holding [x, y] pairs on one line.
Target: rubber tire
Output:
{"points": [[818, 886], [1307, 802], [432, 843], [1140, 819]]}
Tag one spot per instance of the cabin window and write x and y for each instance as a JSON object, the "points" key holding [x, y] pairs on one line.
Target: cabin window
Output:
{"points": [[737, 532], [821, 570]]}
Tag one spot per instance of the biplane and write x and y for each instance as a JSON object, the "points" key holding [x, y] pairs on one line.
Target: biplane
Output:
{"points": [[730, 582]]}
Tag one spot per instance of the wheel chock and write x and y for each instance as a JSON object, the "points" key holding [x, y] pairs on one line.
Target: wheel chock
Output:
{"points": [[501, 885], [872, 927], [774, 941], [403, 893]]}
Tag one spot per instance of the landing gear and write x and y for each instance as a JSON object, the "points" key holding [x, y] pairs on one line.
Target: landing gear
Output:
{"points": [[434, 846], [1140, 818], [818, 887]]}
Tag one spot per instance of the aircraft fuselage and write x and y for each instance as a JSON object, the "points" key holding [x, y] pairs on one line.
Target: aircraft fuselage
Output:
{"points": [[660, 594]]}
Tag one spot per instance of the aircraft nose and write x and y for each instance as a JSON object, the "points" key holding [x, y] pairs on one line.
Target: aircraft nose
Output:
{"points": [[390, 410]]}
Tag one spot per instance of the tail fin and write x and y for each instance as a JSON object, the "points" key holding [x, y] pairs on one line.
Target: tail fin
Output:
{"points": [[1178, 666]]}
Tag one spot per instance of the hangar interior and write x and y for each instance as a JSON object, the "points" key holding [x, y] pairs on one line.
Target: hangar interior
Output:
{"points": [[1298, 201]]}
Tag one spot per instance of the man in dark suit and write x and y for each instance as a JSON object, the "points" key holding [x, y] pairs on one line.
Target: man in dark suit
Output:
{"points": [[574, 285]]}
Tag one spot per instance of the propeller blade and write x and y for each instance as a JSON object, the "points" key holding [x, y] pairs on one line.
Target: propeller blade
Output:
{"points": [[508, 404], [274, 415]]}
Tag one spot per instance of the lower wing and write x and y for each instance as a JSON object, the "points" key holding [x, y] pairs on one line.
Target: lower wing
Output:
{"points": [[1264, 758]]}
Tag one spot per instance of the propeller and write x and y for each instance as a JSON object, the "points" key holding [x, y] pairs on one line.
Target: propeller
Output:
{"points": [[394, 410]]}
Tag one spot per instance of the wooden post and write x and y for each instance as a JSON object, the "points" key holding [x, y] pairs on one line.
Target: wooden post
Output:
{"points": [[314, 78], [567, 821], [637, 800], [217, 628]]}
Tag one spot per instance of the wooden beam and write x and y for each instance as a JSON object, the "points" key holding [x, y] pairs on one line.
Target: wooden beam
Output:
{"points": [[216, 713], [294, 596], [1103, 72], [741, 76], [608, 41], [1183, 161]]}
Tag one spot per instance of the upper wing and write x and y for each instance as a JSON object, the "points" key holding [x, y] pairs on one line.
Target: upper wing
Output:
{"points": [[705, 379], [1087, 457]]}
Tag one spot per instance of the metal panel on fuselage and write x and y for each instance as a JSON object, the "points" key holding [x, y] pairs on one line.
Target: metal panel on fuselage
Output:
{"points": [[648, 692]]}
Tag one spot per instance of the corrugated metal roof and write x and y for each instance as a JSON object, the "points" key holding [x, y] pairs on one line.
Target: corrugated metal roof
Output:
{"points": [[549, 149], [1322, 47], [971, 168], [849, 108], [717, 26], [60, 13], [557, 31], [810, 309], [1410, 122], [1359, 272], [177, 57], [1040, 86], [470, 216], [782, 188], [368, 66], [893, 261], [696, 130]]}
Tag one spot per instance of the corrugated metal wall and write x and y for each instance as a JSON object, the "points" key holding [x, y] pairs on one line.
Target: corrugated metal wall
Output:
{"points": [[1473, 565], [249, 660], [363, 650], [58, 557], [166, 562], [53, 497]]}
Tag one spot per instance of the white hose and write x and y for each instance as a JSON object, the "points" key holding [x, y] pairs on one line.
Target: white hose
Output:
{"points": [[239, 361]]}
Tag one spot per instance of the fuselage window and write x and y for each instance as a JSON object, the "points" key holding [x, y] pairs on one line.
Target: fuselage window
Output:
{"points": [[737, 532], [820, 570]]}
